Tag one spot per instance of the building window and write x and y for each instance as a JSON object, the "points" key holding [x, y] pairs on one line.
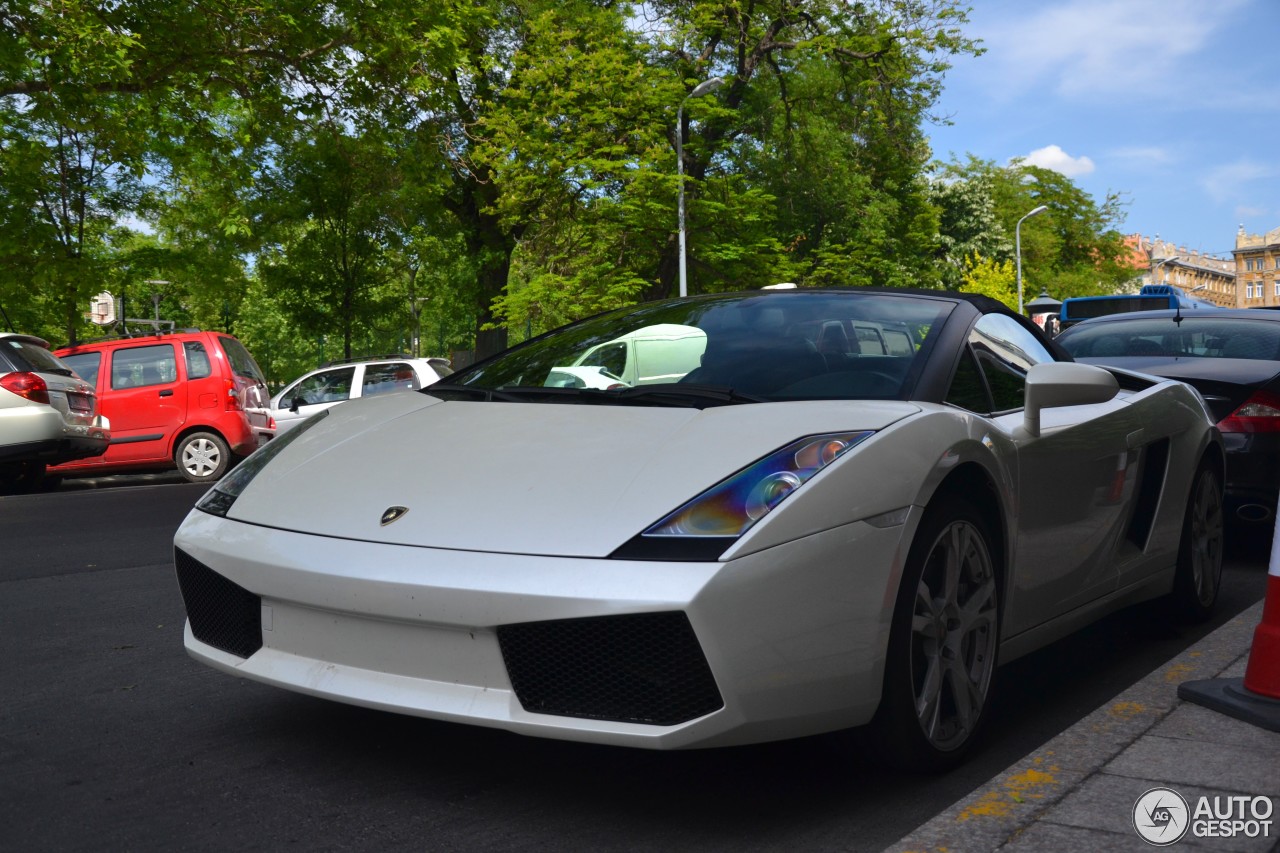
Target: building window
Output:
{"points": [[1248, 288]]}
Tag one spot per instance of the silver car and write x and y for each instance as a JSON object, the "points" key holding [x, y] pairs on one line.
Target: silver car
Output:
{"points": [[48, 414]]}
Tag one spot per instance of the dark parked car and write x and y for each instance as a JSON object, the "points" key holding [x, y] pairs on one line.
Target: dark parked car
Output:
{"points": [[1232, 357]]}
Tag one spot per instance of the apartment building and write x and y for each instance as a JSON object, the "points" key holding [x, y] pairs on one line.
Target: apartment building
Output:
{"points": [[1257, 268], [1161, 262]]}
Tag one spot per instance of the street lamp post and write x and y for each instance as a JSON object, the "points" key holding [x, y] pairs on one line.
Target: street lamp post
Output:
{"points": [[703, 88], [1017, 242], [1158, 264]]}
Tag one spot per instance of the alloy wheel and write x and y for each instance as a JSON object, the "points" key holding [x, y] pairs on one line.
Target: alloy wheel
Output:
{"points": [[1206, 538], [953, 636]]}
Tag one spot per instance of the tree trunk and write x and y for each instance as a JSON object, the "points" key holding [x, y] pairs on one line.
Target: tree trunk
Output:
{"points": [[492, 280]]}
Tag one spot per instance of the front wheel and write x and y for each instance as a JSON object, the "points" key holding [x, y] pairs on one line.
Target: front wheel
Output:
{"points": [[942, 644], [202, 457], [1199, 574]]}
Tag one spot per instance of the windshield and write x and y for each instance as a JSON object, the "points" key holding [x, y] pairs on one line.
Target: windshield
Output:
{"points": [[790, 345], [1197, 337]]}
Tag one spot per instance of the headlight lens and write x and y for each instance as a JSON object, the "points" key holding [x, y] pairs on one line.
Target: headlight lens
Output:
{"points": [[218, 500], [730, 507]]}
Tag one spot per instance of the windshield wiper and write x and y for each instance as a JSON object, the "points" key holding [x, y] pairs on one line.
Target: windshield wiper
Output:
{"points": [[692, 395], [506, 395]]}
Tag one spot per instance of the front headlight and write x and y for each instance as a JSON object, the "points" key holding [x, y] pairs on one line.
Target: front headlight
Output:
{"points": [[218, 500], [729, 508]]}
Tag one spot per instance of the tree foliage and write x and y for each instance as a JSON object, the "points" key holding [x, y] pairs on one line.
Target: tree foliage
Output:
{"points": [[344, 178]]}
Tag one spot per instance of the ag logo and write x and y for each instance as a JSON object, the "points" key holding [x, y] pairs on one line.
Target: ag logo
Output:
{"points": [[1161, 816], [393, 513]]}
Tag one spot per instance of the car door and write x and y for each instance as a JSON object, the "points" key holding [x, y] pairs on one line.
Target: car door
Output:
{"points": [[1075, 481], [144, 401], [313, 393]]}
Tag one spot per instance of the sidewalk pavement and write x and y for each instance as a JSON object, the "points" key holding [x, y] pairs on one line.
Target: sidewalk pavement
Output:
{"points": [[1078, 792]]}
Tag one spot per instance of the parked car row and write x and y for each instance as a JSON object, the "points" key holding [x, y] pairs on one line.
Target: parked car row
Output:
{"points": [[192, 400]]}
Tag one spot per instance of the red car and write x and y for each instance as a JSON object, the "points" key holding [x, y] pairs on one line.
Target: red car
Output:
{"points": [[192, 399]]}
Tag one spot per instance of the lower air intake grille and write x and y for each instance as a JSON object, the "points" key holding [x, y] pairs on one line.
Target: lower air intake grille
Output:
{"points": [[642, 668], [222, 614]]}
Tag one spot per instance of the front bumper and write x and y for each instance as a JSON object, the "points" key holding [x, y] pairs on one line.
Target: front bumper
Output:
{"points": [[792, 639]]}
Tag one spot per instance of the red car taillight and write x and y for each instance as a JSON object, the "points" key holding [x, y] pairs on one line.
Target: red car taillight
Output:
{"points": [[233, 399], [1260, 413], [26, 385]]}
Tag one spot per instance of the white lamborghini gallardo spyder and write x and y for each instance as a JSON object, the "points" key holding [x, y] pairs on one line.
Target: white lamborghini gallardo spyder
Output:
{"points": [[788, 512]]}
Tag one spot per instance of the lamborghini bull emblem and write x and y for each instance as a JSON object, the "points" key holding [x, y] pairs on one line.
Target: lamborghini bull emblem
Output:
{"points": [[393, 513]]}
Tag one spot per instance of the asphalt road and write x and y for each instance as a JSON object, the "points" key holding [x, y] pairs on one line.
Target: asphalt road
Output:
{"points": [[112, 738]]}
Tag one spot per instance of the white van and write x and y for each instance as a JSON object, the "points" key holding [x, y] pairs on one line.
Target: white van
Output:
{"points": [[661, 353]]}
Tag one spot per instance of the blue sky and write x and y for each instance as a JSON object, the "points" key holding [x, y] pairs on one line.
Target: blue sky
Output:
{"points": [[1173, 103]]}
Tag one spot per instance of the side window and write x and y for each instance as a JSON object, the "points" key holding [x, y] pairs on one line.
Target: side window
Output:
{"points": [[1008, 384], [384, 378], [612, 357], [198, 364], [331, 386], [86, 365], [135, 367], [1005, 352], [668, 360], [899, 343], [967, 390], [869, 341]]}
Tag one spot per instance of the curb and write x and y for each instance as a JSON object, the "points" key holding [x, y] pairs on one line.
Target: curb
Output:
{"points": [[1002, 810]]}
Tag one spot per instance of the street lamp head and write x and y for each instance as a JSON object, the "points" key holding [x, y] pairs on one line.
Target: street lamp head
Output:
{"points": [[1036, 212], [706, 87]]}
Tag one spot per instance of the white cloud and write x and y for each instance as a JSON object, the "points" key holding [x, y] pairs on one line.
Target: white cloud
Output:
{"points": [[1238, 181], [1143, 156], [1055, 159], [1086, 48]]}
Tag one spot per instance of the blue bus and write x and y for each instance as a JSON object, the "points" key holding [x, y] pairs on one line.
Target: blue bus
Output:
{"points": [[1152, 297]]}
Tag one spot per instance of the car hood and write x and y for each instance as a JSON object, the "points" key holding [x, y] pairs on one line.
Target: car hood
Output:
{"points": [[527, 478]]}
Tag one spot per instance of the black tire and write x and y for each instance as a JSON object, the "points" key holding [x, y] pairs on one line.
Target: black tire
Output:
{"points": [[20, 478], [1198, 579], [202, 457], [943, 645]]}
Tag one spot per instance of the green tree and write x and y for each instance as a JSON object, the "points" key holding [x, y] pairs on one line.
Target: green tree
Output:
{"points": [[1073, 249], [993, 278], [328, 265]]}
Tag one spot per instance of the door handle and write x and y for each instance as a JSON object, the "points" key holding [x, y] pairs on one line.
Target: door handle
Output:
{"points": [[167, 392]]}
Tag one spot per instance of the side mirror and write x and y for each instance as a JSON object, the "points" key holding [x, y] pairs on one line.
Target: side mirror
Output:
{"points": [[1065, 383], [295, 402]]}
